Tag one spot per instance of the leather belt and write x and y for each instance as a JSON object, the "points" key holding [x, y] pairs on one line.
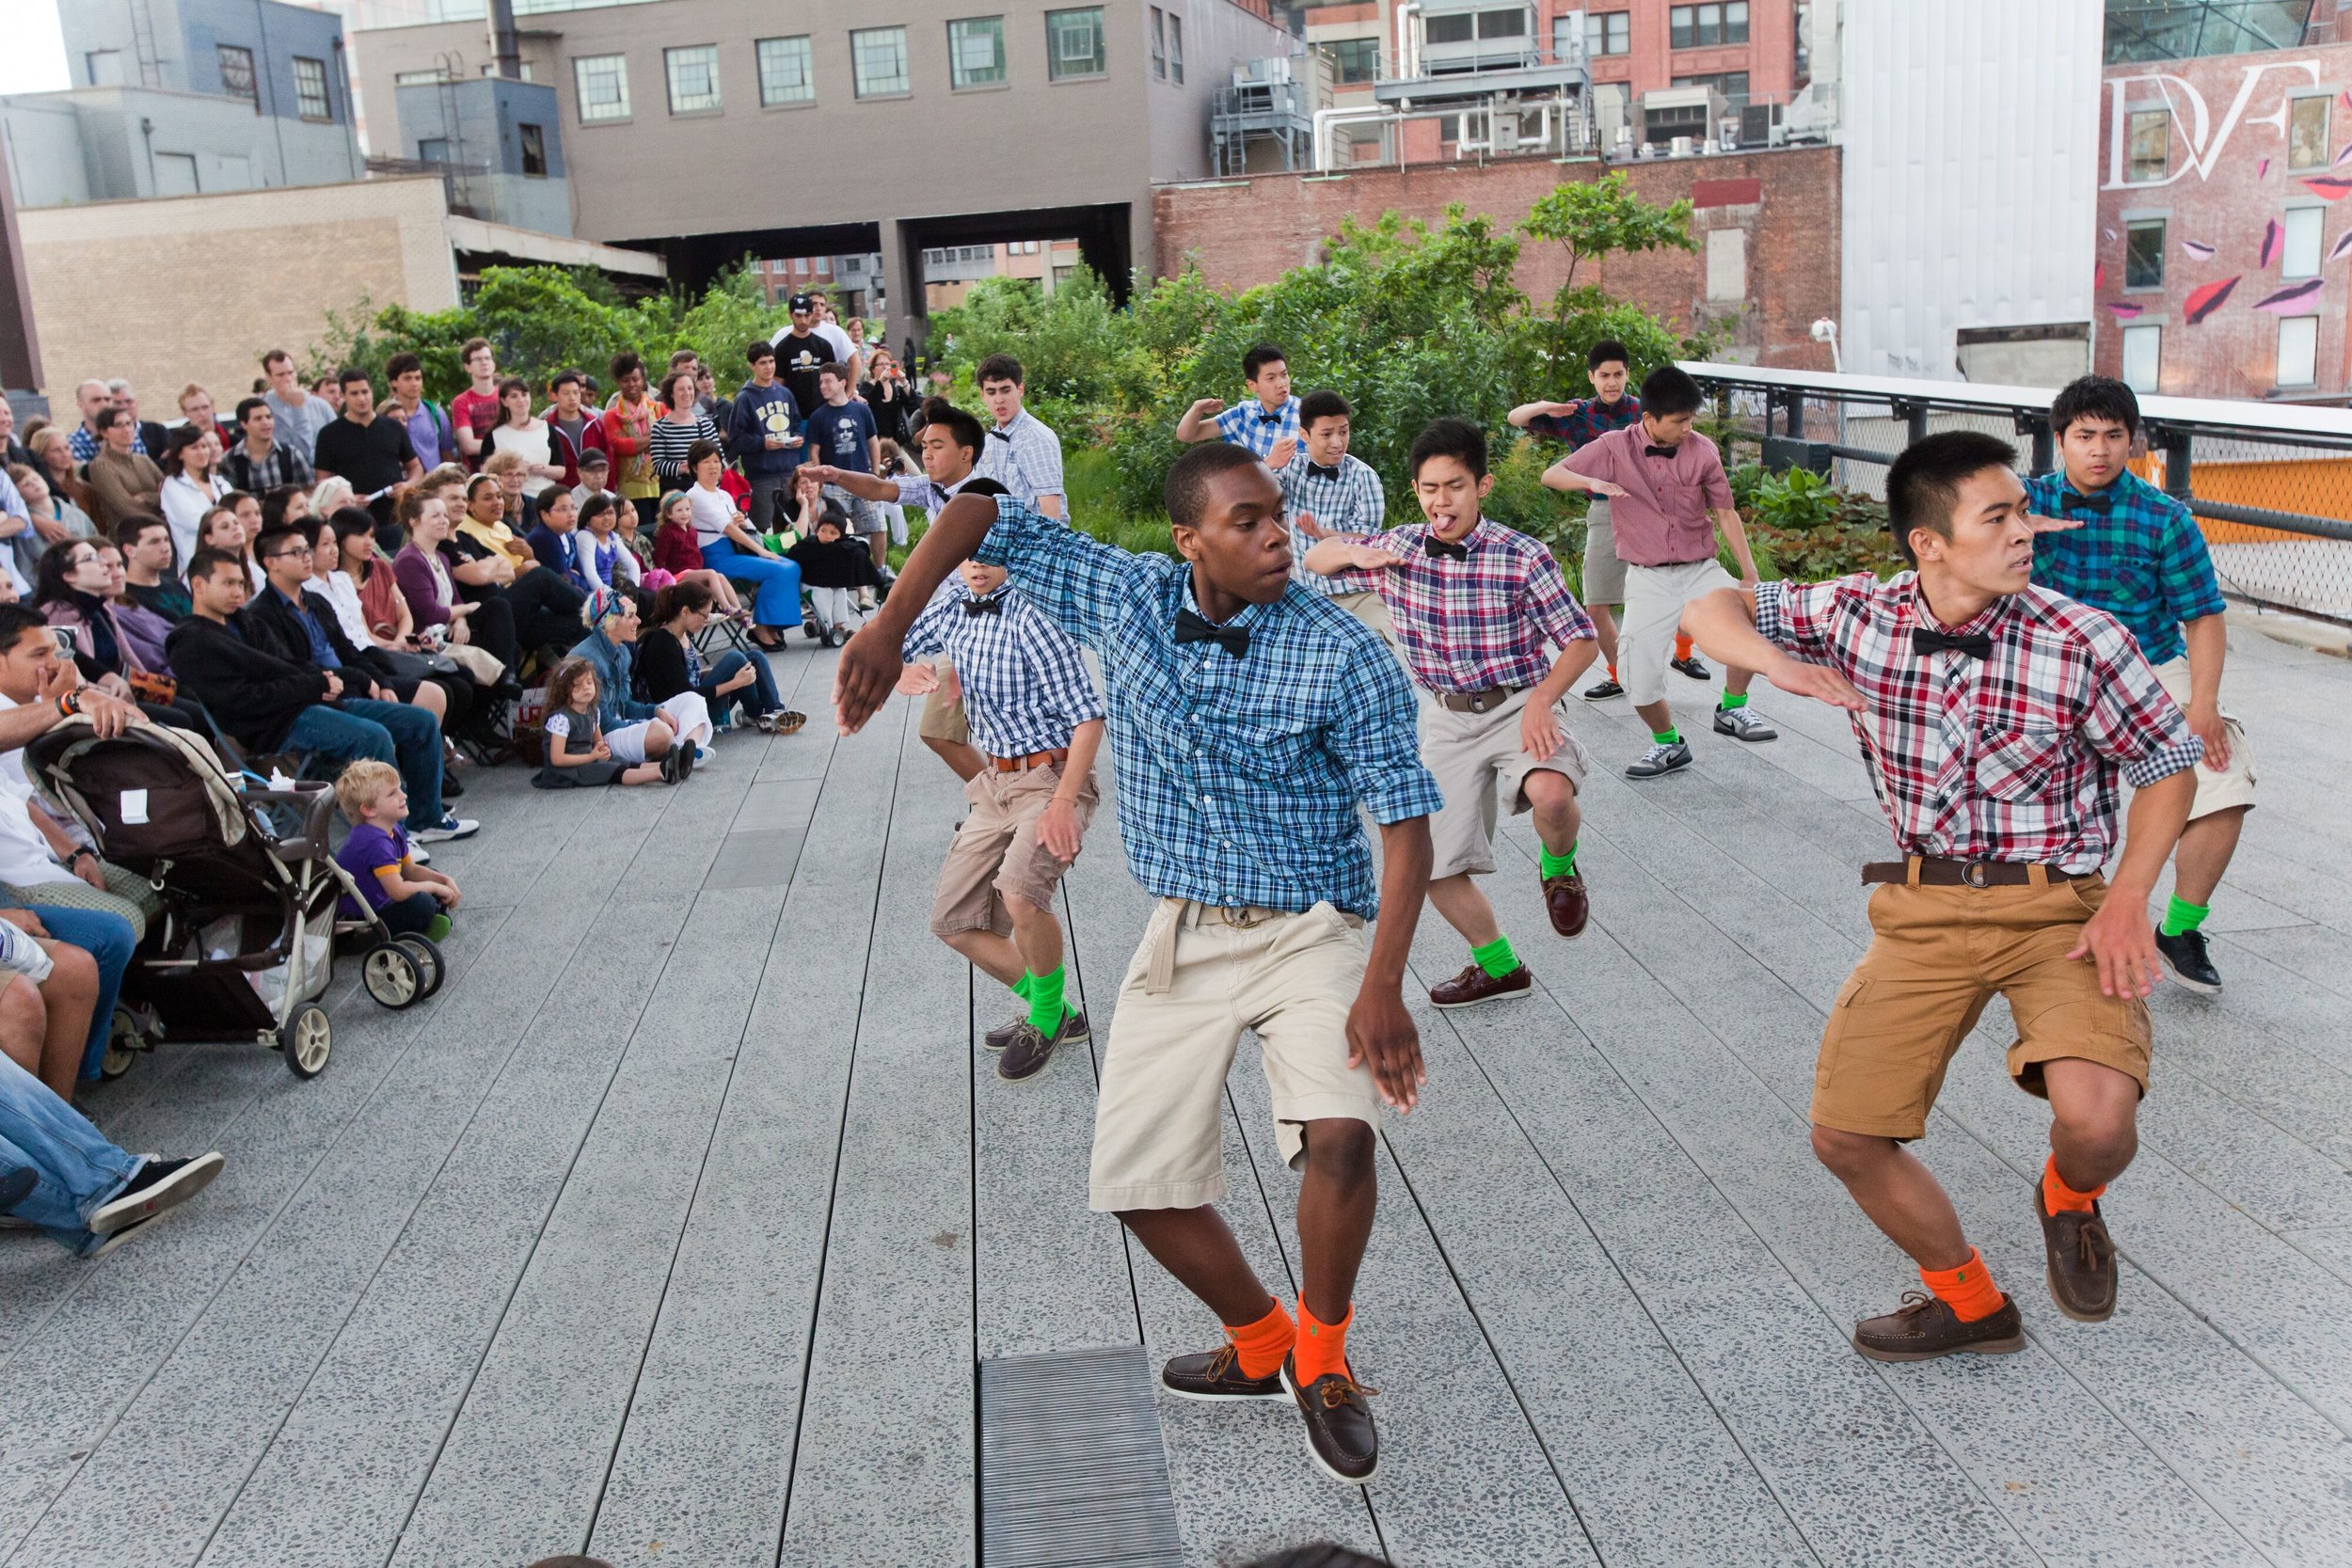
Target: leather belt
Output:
{"points": [[1934, 871], [1477, 702], [1160, 970], [1035, 759]]}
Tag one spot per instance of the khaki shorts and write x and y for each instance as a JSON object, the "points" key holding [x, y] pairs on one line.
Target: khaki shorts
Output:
{"points": [[1654, 597], [1938, 955], [996, 855], [1199, 978], [942, 716], [1602, 580], [1373, 610], [2223, 789], [1475, 758]]}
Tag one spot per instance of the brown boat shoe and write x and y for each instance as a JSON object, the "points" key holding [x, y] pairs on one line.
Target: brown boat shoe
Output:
{"points": [[1924, 1328], [1475, 985]]}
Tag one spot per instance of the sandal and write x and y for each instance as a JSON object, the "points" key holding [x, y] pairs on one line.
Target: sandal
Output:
{"points": [[787, 722]]}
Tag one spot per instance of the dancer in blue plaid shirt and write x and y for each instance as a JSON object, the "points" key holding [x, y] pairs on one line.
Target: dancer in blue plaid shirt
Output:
{"points": [[1325, 491], [1476, 606], [1022, 453], [2138, 554], [1250, 722], [1267, 425]]}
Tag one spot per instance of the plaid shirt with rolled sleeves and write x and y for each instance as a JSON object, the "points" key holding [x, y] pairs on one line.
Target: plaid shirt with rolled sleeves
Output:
{"points": [[1248, 424], [1024, 685], [1481, 622], [1239, 777], [1586, 418], [2011, 757], [1343, 498], [1025, 458], [2139, 556]]}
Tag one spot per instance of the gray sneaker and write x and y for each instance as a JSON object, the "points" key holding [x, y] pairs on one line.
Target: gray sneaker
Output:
{"points": [[1744, 724], [1003, 1034], [1031, 1049], [1661, 760]]}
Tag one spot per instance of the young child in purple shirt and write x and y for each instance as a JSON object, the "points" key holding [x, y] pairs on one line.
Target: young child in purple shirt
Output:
{"points": [[410, 898]]}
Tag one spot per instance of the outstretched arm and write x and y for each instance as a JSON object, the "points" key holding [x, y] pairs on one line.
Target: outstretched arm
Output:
{"points": [[1379, 1030], [870, 488], [1722, 623], [1561, 477], [1525, 412], [1200, 420], [869, 665]]}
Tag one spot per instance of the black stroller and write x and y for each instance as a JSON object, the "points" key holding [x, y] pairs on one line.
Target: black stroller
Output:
{"points": [[245, 943]]}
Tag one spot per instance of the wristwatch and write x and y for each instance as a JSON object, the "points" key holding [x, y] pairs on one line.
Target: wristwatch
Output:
{"points": [[75, 859], [69, 704]]}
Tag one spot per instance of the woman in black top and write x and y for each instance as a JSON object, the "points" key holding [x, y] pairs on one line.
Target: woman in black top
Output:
{"points": [[70, 591], [669, 663], [890, 398]]}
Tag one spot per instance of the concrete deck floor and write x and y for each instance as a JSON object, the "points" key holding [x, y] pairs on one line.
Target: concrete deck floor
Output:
{"points": [[672, 1230]]}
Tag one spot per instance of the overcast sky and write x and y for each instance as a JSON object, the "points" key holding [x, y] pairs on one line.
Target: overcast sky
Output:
{"points": [[33, 61]]}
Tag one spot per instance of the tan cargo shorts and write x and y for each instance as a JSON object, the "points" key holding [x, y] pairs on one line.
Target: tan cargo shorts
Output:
{"points": [[1478, 764], [996, 854]]}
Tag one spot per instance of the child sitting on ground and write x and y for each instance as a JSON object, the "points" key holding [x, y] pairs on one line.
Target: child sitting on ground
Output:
{"points": [[411, 899], [579, 756], [833, 568]]}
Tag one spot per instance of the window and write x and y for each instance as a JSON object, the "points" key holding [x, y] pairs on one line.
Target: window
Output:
{"points": [[1176, 47], [976, 52], [1563, 38], [1074, 44], [878, 63], [1159, 43], [1705, 26], [1733, 84], [534, 140], [693, 79], [2298, 351], [2143, 254], [433, 149], [602, 84], [236, 75], [490, 68], [2143, 355], [418, 78], [1727, 266], [1609, 33], [2151, 144], [105, 66], [311, 99], [785, 75], [2301, 258], [1355, 60], [2307, 133]]}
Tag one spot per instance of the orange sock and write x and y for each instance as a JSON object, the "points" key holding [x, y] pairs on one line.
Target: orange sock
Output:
{"points": [[2058, 1197], [1682, 646], [1612, 670], [1967, 1289], [1263, 1344], [1322, 1347]]}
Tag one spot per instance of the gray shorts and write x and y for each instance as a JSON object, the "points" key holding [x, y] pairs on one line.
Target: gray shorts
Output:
{"points": [[865, 517], [1603, 579]]}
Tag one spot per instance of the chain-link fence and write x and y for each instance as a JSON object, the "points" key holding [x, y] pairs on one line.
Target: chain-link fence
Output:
{"points": [[2270, 487]]}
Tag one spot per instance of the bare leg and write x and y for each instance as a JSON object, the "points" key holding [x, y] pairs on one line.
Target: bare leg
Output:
{"points": [[1551, 799], [68, 994], [658, 738], [993, 954], [1337, 1195], [2207, 845], [24, 1023], [1658, 716], [2094, 1133], [1735, 680], [1195, 1246], [1898, 1194], [1465, 909], [432, 699], [1605, 630], [643, 773], [1038, 935]]}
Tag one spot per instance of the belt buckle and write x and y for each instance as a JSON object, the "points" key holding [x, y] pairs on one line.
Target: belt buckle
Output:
{"points": [[1243, 918], [1976, 874]]}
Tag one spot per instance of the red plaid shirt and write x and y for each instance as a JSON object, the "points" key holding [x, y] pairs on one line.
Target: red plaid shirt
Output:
{"points": [[1476, 623], [2013, 757]]}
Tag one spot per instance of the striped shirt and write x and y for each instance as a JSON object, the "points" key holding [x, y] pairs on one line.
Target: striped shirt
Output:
{"points": [[1025, 685], [1024, 457], [669, 444], [1343, 498]]}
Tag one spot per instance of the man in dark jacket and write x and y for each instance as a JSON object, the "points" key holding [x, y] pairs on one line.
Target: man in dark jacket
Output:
{"points": [[766, 434], [272, 704]]}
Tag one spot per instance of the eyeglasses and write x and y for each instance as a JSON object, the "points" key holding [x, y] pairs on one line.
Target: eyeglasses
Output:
{"points": [[303, 550]]}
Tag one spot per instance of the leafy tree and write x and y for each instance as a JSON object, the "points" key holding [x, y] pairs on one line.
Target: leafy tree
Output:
{"points": [[1593, 218]]}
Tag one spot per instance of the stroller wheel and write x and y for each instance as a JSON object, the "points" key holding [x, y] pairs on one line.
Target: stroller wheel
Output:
{"points": [[306, 1039], [428, 956], [123, 1045], [393, 976]]}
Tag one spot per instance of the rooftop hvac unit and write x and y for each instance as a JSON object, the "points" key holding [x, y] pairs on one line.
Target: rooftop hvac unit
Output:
{"points": [[1275, 67]]}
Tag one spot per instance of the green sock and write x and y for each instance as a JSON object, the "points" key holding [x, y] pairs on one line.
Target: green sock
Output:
{"points": [[1045, 1008], [2180, 915], [1496, 958], [1731, 700], [1669, 737], [437, 929], [1559, 866], [1021, 987]]}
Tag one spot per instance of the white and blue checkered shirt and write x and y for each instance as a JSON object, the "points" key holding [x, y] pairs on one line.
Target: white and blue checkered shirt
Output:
{"points": [[1346, 498], [916, 490], [1248, 424], [1239, 777], [1024, 457], [1025, 685]]}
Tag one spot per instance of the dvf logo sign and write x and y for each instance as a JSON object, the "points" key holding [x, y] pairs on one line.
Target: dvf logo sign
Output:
{"points": [[2192, 120]]}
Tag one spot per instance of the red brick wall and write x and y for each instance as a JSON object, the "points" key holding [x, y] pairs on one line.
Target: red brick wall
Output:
{"points": [[1250, 232]]}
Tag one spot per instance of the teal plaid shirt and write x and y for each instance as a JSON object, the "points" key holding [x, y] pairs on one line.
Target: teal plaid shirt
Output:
{"points": [[2139, 556]]}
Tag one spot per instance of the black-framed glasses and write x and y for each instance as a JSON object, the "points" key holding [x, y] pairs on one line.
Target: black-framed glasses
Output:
{"points": [[291, 550]]}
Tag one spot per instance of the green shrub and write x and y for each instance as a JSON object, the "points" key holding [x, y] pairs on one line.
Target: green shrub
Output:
{"points": [[1803, 527]]}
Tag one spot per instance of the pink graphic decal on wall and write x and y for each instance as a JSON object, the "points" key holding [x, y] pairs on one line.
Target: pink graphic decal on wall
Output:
{"points": [[2270, 243], [2262, 168], [2344, 247], [2329, 187], [2284, 302], [2124, 310], [2197, 250], [2205, 301]]}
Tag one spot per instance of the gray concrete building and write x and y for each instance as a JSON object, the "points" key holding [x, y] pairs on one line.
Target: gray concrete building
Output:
{"points": [[499, 144], [709, 130]]}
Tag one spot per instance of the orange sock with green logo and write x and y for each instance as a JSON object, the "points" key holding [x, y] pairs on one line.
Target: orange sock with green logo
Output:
{"points": [[2059, 1199], [1263, 1344], [1322, 1347], [1682, 646], [1967, 1289]]}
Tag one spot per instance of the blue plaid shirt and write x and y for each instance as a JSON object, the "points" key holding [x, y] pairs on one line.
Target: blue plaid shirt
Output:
{"points": [[2143, 560], [1024, 685], [1588, 418], [1248, 424], [1238, 778], [1346, 498]]}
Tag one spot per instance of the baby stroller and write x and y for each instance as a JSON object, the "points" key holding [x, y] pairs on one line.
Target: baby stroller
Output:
{"points": [[244, 947]]}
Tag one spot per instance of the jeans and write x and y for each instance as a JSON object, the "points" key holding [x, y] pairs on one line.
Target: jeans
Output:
{"points": [[761, 698], [409, 916], [358, 727], [78, 1169], [778, 581], [106, 938]]}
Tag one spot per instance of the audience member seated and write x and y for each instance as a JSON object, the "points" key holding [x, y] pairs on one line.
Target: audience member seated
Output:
{"points": [[556, 541], [75, 581], [86, 1195], [293, 620], [122, 483], [49, 519], [668, 662], [149, 566], [636, 730], [729, 547]]}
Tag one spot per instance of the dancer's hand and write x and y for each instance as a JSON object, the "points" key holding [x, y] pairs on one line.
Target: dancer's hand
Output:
{"points": [[862, 680], [1057, 829], [2121, 942], [2205, 720], [1604, 487], [1816, 681], [2052, 525], [1381, 1032], [1284, 451], [1539, 736]]}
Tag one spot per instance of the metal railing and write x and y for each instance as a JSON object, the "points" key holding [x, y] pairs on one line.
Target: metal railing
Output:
{"points": [[2270, 484]]}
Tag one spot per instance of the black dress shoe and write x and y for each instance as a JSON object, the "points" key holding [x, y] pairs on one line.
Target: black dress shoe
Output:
{"points": [[1340, 1438], [1693, 667], [2190, 964], [1216, 1374]]}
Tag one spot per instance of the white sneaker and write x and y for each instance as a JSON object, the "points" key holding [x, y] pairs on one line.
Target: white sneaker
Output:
{"points": [[704, 757], [1744, 723], [449, 827]]}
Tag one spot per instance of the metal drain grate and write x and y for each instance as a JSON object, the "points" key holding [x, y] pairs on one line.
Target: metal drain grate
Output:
{"points": [[1071, 1471]]}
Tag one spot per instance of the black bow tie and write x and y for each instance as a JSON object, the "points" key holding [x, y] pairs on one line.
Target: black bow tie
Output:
{"points": [[1660, 452], [938, 495], [1198, 628], [1000, 435], [2102, 505], [1976, 644], [1316, 470], [1264, 418], [991, 606], [1438, 546]]}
